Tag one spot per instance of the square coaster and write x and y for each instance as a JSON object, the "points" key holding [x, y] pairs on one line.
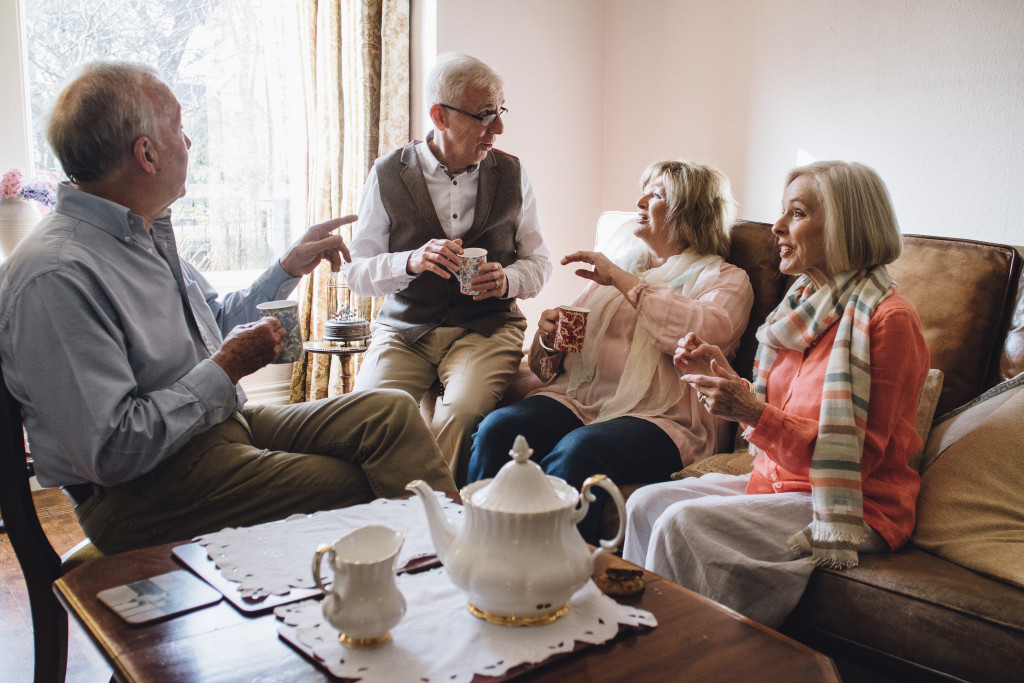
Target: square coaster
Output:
{"points": [[159, 597]]}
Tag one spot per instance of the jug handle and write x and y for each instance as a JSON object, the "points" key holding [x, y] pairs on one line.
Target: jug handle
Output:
{"points": [[320, 552], [608, 485]]}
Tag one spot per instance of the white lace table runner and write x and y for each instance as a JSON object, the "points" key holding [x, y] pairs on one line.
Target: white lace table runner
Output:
{"points": [[273, 558], [439, 640]]}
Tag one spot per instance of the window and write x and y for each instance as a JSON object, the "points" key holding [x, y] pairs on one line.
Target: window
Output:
{"points": [[234, 66]]}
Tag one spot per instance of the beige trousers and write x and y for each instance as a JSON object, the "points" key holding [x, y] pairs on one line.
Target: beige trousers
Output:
{"points": [[474, 371], [270, 462]]}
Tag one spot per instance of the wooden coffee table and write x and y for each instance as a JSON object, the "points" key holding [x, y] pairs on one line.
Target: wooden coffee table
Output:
{"points": [[695, 640]]}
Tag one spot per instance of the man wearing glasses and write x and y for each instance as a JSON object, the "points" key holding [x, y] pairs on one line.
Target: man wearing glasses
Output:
{"points": [[422, 205]]}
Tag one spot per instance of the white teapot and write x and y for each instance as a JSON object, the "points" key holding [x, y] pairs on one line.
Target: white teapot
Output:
{"points": [[517, 554]]}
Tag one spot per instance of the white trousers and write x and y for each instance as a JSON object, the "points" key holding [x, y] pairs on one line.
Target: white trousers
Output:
{"points": [[708, 535]]}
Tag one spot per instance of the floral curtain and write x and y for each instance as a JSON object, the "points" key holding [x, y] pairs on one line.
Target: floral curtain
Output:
{"points": [[356, 81]]}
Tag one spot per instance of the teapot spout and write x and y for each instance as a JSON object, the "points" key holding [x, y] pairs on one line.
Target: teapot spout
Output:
{"points": [[442, 531]]}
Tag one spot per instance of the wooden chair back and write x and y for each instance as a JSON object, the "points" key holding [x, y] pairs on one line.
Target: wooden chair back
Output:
{"points": [[40, 563]]}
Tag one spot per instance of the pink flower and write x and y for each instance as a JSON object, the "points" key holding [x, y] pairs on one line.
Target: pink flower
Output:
{"points": [[11, 183]]}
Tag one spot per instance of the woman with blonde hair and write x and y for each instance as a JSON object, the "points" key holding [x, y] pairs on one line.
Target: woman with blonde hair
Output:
{"points": [[618, 407], [830, 414]]}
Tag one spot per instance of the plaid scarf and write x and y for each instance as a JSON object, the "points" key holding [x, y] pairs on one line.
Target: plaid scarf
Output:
{"points": [[804, 315]]}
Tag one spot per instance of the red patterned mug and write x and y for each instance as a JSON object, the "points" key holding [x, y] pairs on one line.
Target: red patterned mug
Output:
{"points": [[571, 328]]}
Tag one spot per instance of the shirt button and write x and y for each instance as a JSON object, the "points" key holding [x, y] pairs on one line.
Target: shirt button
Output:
{"points": [[777, 484], [455, 215], [455, 182], [127, 238], [131, 221], [774, 476]]}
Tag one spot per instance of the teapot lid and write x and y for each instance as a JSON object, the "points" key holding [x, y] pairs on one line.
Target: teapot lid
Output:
{"points": [[522, 486]]}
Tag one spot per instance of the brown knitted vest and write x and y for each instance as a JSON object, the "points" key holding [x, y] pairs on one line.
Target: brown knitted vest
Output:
{"points": [[431, 301]]}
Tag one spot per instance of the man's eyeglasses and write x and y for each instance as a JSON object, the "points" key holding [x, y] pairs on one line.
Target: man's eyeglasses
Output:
{"points": [[486, 119]]}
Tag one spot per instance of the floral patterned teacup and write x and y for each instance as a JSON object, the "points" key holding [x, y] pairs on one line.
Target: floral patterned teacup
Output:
{"points": [[288, 313], [571, 328], [471, 260]]}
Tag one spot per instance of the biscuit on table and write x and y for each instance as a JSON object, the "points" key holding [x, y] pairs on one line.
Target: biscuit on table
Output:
{"points": [[620, 578]]}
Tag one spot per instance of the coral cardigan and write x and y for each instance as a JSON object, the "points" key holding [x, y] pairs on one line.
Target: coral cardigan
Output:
{"points": [[788, 428]]}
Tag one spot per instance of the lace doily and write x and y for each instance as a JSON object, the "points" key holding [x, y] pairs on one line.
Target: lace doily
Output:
{"points": [[439, 640], [274, 558]]}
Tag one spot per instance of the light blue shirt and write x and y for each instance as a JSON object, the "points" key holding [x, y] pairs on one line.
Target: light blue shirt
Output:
{"points": [[113, 372]]}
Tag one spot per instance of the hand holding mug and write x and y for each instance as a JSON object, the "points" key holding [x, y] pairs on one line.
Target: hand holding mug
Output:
{"points": [[438, 256], [249, 347], [570, 328], [489, 281], [287, 313]]}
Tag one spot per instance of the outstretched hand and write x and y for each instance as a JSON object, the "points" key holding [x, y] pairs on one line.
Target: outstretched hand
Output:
{"points": [[316, 245], [604, 273]]}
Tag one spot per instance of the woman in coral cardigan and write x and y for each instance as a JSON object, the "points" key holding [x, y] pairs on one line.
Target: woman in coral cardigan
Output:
{"points": [[618, 407], [830, 414]]}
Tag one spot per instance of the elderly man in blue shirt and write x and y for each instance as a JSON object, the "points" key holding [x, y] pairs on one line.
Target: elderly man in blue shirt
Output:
{"points": [[126, 362]]}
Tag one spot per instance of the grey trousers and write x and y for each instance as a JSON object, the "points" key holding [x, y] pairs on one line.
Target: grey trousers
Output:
{"points": [[270, 462], [710, 536]]}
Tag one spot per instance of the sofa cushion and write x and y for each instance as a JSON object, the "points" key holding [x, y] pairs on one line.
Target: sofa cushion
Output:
{"points": [[964, 292], [971, 507], [926, 405]]}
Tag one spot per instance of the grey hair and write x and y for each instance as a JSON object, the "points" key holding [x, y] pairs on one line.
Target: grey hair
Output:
{"points": [[98, 117], [454, 73], [861, 229]]}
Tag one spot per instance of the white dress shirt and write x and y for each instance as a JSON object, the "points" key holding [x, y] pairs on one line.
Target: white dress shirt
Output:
{"points": [[375, 271]]}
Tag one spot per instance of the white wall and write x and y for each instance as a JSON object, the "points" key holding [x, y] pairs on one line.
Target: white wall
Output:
{"points": [[928, 92], [14, 138]]}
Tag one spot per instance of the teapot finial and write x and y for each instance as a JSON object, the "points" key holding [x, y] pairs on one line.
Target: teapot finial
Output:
{"points": [[521, 450]]}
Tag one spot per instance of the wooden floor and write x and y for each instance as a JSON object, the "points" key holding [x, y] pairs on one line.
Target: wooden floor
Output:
{"points": [[85, 665]]}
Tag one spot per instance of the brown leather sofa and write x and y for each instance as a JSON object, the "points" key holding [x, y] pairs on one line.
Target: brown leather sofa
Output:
{"points": [[911, 615]]}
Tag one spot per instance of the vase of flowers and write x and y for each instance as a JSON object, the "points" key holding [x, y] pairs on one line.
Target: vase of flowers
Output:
{"points": [[22, 203]]}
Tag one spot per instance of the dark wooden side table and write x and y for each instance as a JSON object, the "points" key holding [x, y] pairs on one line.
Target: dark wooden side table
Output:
{"points": [[345, 351]]}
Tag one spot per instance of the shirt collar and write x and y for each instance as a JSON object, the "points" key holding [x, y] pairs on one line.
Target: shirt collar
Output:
{"points": [[432, 163], [108, 216]]}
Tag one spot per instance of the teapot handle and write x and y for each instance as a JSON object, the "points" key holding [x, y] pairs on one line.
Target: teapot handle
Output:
{"points": [[588, 496], [320, 552]]}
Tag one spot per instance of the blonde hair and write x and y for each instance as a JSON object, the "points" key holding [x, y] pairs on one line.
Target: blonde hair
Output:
{"points": [[98, 117], [701, 206], [861, 229]]}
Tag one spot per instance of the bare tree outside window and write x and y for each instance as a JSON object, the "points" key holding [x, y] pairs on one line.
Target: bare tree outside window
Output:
{"points": [[234, 66]]}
